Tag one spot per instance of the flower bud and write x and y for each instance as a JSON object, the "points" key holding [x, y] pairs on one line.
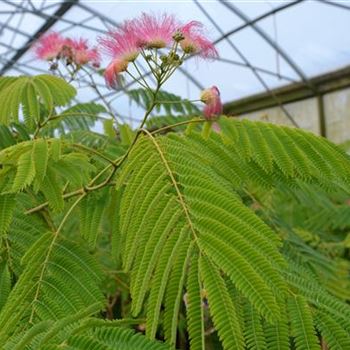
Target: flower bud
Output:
{"points": [[164, 58], [212, 100], [178, 36]]}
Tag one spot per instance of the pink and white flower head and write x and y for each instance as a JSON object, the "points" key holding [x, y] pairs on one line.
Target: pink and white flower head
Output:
{"points": [[123, 46], [155, 31], [49, 46], [213, 105], [112, 71], [195, 41], [122, 43], [81, 53]]}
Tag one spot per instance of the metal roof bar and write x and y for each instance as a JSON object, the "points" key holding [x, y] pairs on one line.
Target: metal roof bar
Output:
{"points": [[57, 17], [258, 69], [257, 19], [336, 4], [266, 37], [247, 62], [98, 14], [13, 29]]}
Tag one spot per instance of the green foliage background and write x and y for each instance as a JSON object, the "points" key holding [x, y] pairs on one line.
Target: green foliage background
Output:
{"points": [[169, 237]]}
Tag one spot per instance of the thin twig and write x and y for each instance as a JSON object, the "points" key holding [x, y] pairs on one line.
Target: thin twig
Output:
{"points": [[48, 253], [178, 124]]}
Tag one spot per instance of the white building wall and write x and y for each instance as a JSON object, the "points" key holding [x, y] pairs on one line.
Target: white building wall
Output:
{"points": [[305, 113]]}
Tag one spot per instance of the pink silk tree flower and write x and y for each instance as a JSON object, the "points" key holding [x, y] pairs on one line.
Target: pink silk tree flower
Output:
{"points": [[195, 42], [112, 71], [213, 105], [81, 53], [122, 43], [155, 31], [49, 46]]}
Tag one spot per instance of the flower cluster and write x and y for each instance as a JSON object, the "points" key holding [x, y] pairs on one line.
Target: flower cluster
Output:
{"points": [[162, 41], [195, 42], [53, 47], [148, 33]]}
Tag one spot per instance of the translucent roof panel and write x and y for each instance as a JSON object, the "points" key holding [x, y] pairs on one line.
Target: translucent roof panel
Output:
{"points": [[262, 44]]}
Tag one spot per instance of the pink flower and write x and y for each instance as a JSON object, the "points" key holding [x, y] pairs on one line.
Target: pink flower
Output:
{"points": [[49, 46], [155, 31], [123, 46], [212, 100], [195, 42], [112, 71], [122, 43], [79, 52]]}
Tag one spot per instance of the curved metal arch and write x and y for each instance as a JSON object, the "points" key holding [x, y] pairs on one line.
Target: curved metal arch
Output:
{"points": [[247, 24], [112, 22], [258, 69], [269, 40], [65, 6], [9, 19], [265, 36], [247, 62], [288, 59], [257, 19], [336, 4], [15, 30], [55, 16], [98, 14]]}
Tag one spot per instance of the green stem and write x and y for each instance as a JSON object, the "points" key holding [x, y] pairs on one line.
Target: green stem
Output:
{"points": [[156, 63], [51, 118], [171, 70], [80, 114], [140, 74], [95, 322], [180, 101], [149, 65], [93, 85], [148, 112], [49, 250], [138, 80], [81, 190], [93, 151], [178, 124], [40, 126], [102, 184], [45, 204], [117, 163]]}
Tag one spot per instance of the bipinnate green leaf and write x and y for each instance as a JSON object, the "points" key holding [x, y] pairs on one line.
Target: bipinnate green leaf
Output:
{"points": [[29, 93]]}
